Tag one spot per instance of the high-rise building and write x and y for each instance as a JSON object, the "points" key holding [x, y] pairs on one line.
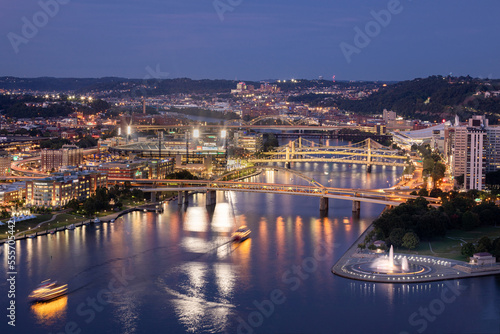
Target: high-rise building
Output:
{"points": [[492, 148], [469, 152], [68, 155]]}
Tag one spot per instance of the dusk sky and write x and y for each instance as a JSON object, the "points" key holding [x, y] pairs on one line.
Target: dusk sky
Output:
{"points": [[249, 39]]}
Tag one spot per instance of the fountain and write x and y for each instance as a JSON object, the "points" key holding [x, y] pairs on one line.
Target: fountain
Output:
{"points": [[387, 264]]}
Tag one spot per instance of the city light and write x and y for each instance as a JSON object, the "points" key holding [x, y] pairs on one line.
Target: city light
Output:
{"points": [[223, 133], [196, 133]]}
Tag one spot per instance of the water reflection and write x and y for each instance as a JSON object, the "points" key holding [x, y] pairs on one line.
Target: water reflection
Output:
{"points": [[196, 219], [50, 313], [223, 219], [202, 298]]}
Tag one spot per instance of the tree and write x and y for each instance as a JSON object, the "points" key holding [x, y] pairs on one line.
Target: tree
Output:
{"points": [[410, 240], [423, 192], [396, 236], [90, 206], [438, 172], [428, 165], [470, 220], [468, 249], [74, 204], [436, 192], [484, 245]]}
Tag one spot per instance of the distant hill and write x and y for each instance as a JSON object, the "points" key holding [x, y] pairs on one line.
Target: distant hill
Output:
{"points": [[432, 98], [120, 86], [55, 84]]}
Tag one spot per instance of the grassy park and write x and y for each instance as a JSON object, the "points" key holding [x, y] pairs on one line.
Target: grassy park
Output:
{"points": [[450, 246]]}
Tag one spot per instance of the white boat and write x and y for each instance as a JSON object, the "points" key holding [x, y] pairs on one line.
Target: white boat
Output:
{"points": [[71, 227], [97, 220], [241, 234], [48, 290], [112, 220]]}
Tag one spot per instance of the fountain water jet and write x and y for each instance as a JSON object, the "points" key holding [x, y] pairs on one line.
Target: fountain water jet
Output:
{"points": [[391, 257], [387, 265], [404, 265]]}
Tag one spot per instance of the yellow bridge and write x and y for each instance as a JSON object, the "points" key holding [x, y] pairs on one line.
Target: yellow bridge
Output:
{"points": [[368, 152]]}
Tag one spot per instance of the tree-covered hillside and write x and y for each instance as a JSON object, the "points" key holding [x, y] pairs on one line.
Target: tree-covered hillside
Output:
{"points": [[432, 98]]}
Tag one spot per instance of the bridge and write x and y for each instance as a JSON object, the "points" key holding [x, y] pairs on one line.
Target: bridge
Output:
{"points": [[288, 127], [300, 120], [313, 189], [368, 152]]}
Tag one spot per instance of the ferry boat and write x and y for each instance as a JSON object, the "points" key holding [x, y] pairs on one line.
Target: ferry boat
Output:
{"points": [[48, 290], [241, 234]]}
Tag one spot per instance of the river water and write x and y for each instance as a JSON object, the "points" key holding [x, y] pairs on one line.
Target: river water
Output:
{"points": [[175, 272]]}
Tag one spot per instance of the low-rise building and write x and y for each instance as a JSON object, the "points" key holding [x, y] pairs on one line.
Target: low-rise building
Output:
{"points": [[483, 258], [60, 189], [12, 192], [138, 169], [249, 142]]}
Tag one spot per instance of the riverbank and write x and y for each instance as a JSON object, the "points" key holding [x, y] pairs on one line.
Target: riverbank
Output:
{"points": [[78, 222]]}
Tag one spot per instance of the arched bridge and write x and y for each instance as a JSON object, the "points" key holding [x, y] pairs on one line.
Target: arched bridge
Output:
{"points": [[315, 190], [367, 152]]}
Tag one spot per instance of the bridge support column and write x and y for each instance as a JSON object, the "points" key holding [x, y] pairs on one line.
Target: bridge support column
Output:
{"points": [[186, 197], [211, 198], [368, 168], [323, 204], [356, 207], [153, 197], [182, 197], [288, 165]]}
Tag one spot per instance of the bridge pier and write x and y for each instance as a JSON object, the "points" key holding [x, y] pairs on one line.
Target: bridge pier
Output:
{"points": [[153, 197], [323, 204], [356, 207], [288, 165], [368, 168], [182, 197], [211, 198]]}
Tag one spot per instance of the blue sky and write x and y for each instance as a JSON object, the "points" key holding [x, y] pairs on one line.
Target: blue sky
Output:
{"points": [[254, 40]]}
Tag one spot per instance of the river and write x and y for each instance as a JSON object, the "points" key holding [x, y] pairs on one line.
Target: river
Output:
{"points": [[175, 272]]}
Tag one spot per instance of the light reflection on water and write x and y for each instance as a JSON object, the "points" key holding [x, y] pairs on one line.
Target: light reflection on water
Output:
{"points": [[49, 313], [202, 297]]}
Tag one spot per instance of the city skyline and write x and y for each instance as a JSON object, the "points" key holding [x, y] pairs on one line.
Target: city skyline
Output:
{"points": [[386, 40]]}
